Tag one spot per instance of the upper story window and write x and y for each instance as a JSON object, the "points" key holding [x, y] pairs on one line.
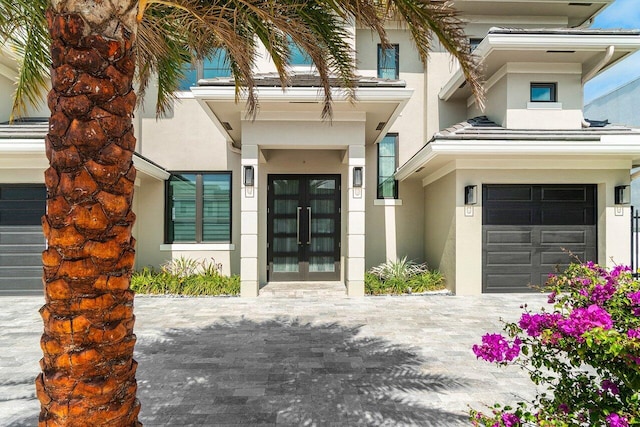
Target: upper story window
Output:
{"points": [[199, 207], [214, 66], [299, 57], [544, 92], [389, 62], [387, 164]]}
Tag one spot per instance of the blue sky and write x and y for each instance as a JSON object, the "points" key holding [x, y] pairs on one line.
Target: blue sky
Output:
{"points": [[621, 14]]}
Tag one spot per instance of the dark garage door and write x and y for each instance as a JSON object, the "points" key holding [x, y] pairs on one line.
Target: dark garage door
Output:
{"points": [[21, 239], [526, 227]]}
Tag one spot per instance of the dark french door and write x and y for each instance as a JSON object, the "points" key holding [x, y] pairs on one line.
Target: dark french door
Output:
{"points": [[303, 226]]}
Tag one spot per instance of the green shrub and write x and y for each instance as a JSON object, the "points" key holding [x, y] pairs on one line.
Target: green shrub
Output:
{"points": [[184, 276], [401, 277]]}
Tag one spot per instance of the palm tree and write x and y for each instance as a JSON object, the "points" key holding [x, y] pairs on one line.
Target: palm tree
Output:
{"points": [[94, 51]]}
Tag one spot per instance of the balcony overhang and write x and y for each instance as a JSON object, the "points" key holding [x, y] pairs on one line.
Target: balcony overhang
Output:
{"points": [[378, 107], [588, 51]]}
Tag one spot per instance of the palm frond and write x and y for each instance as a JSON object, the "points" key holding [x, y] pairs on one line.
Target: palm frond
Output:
{"points": [[23, 30]]}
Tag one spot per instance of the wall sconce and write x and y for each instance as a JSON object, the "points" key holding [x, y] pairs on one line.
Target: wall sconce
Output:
{"points": [[621, 195], [248, 176], [357, 177], [470, 195]]}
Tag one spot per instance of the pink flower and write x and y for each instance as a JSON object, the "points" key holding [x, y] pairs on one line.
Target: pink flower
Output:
{"points": [[610, 386], [615, 420], [633, 333], [496, 348], [536, 323], [582, 320], [634, 297], [510, 420]]}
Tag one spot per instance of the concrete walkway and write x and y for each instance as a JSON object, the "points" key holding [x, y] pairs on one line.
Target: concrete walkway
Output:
{"points": [[310, 361]]}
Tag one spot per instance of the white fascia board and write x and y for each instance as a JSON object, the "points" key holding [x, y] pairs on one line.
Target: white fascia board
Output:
{"points": [[577, 42], [303, 93], [148, 168], [22, 146]]}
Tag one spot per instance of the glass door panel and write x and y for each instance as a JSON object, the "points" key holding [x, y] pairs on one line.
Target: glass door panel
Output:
{"points": [[304, 227]]}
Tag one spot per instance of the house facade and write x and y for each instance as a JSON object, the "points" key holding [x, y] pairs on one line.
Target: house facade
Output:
{"points": [[493, 196]]}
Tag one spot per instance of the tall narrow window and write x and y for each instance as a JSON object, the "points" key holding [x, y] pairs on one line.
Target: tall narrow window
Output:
{"points": [[387, 164], [389, 62], [199, 207], [543, 92]]}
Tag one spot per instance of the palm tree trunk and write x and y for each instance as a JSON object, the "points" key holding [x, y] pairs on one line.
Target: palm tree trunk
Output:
{"points": [[88, 371]]}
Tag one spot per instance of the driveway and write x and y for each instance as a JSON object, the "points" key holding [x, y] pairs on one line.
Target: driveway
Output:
{"points": [[311, 361]]}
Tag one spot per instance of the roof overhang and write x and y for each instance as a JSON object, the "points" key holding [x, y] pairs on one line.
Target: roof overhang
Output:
{"points": [[576, 12], [380, 106], [434, 157], [592, 50]]}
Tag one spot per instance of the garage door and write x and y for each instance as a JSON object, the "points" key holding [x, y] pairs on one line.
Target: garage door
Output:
{"points": [[528, 228], [21, 239]]}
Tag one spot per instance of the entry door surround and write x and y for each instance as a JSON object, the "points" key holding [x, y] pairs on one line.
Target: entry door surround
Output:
{"points": [[303, 227]]}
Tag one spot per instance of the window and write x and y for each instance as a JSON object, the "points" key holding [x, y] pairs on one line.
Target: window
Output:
{"points": [[388, 62], [214, 66], [473, 43], [543, 92], [387, 164], [299, 57], [199, 207]]}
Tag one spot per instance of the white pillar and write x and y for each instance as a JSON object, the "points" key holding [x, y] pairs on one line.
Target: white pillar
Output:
{"points": [[355, 266], [249, 283]]}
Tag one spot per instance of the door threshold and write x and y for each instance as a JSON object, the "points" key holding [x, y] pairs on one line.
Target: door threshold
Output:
{"points": [[303, 289]]}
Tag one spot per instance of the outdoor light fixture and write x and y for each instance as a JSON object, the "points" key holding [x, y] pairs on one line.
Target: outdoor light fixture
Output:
{"points": [[248, 176], [470, 195], [622, 195], [357, 177]]}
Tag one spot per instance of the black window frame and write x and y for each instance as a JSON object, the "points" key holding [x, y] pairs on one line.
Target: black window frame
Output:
{"points": [[199, 208], [379, 181], [396, 48], [545, 85]]}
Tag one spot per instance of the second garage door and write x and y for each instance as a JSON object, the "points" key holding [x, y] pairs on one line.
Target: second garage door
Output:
{"points": [[528, 229], [21, 239]]}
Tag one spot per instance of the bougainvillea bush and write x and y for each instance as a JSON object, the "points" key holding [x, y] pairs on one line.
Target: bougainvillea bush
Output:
{"points": [[584, 349]]}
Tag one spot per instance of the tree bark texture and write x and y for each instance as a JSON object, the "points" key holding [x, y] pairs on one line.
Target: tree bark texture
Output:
{"points": [[88, 371]]}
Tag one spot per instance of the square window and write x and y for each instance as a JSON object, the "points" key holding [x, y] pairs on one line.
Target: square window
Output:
{"points": [[543, 92], [388, 62]]}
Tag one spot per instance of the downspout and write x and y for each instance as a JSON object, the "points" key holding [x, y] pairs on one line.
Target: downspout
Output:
{"points": [[595, 70]]}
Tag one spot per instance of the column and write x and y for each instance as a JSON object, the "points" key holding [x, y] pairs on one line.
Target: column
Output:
{"points": [[249, 283], [355, 266]]}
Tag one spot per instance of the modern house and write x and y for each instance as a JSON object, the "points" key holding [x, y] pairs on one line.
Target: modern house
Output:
{"points": [[492, 197]]}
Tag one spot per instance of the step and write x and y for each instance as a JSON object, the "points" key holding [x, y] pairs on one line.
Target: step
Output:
{"points": [[303, 290]]}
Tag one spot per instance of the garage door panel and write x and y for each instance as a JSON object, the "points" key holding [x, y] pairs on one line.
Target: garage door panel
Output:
{"points": [[21, 238], [509, 258], [516, 255], [563, 194], [507, 282], [572, 237], [509, 216], [512, 193], [508, 237]]}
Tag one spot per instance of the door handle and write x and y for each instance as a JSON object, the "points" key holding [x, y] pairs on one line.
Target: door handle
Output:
{"points": [[309, 239], [298, 225]]}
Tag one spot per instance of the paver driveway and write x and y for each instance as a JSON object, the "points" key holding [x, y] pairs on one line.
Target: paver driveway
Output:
{"points": [[310, 361]]}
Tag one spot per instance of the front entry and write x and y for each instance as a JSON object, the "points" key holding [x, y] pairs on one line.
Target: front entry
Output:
{"points": [[303, 227]]}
